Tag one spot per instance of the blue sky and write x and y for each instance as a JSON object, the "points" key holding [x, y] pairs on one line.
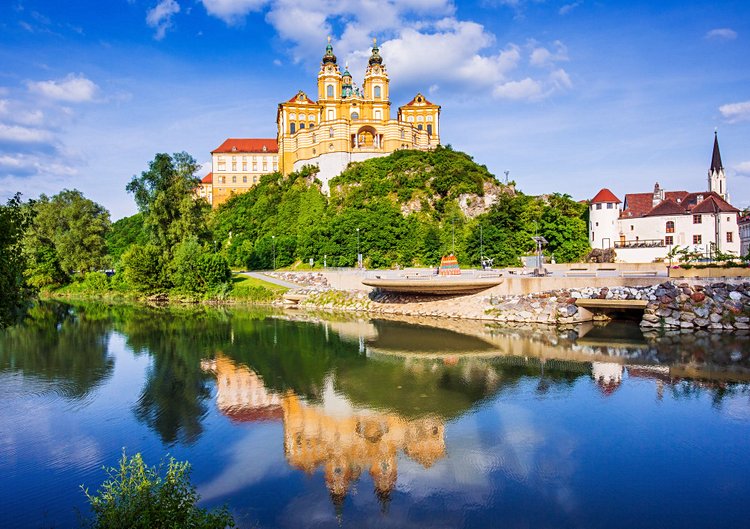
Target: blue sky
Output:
{"points": [[569, 96]]}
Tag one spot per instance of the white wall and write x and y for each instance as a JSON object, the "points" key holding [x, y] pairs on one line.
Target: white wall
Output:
{"points": [[333, 163]]}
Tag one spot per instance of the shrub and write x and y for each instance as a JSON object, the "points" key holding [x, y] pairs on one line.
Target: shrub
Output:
{"points": [[137, 496], [142, 267]]}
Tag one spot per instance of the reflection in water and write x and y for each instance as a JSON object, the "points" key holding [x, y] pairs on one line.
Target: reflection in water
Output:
{"points": [[333, 435]]}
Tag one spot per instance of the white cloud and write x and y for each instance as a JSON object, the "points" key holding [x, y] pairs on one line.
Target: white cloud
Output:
{"points": [[735, 112], [160, 17], [524, 89], [73, 89], [232, 11], [19, 134], [722, 34], [567, 8], [560, 79], [541, 56], [742, 168]]}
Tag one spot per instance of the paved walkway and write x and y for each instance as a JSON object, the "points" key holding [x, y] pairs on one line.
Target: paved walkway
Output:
{"points": [[269, 279]]}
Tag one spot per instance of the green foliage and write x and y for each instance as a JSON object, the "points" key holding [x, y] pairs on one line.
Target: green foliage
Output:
{"points": [[138, 496], [194, 269], [125, 232], [68, 234], [14, 221], [142, 268]]}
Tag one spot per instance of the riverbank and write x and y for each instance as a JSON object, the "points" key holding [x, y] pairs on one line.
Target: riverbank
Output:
{"points": [[689, 305]]}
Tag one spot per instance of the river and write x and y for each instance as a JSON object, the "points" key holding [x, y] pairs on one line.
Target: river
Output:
{"points": [[314, 420]]}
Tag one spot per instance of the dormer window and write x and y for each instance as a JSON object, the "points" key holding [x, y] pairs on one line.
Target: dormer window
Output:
{"points": [[699, 198]]}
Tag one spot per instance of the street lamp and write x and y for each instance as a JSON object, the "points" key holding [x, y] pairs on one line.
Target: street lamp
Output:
{"points": [[273, 244], [359, 255]]}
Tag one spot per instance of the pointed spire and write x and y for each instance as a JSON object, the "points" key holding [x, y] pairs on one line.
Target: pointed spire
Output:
{"points": [[716, 165]]}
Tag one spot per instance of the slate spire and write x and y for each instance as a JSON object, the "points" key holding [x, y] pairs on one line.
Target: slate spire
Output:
{"points": [[716, 157]]}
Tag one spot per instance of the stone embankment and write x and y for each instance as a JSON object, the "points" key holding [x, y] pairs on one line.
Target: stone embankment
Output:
{"points": [[670, 305]]}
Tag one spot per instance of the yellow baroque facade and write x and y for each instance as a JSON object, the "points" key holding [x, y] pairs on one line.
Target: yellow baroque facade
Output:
{"points": [[350, 124]]}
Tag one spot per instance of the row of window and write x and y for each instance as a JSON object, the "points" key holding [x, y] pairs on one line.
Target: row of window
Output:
{"points": [[222, 167], [697, 239], [420, 118]]}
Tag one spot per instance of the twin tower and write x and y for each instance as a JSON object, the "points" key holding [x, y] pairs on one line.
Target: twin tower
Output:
{"points": [[351, 124]]}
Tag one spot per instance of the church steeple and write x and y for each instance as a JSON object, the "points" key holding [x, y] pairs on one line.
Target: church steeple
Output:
{"points": [[329, 77], [717, 180]]}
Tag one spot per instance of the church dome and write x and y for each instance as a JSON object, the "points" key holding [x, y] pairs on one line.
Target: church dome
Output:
{"points": [[375, 57], [329, 57]]}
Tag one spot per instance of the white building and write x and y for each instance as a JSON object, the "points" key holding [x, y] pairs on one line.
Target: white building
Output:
{"points": [[646, 226], [744, 226]]}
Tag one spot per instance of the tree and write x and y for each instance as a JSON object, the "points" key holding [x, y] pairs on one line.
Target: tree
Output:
{"points": [[138, 496], [68, 234], [125, 232], [14, 220], [164, 195]]}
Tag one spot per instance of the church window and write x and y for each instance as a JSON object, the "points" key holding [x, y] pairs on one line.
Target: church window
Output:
{"points": [[670, 226], [292, 128], [697, 239], [668, 240], [420, 118], [729, 236], [331, 114], [292, 116], [403, 134], [378, 114], [429, 118], [410, 119], [329, 90], [429, 129], [419, 127], [697, 219], [355, 115], [330, 132], [301, 125], [377, 91]]}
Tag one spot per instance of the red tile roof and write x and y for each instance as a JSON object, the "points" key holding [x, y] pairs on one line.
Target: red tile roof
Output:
{"points": [[638, 204], [666, 207], [414, 100], [248, 145], [744, 220], [605, 195], [208, 179], [713, 203], [303, 99]]}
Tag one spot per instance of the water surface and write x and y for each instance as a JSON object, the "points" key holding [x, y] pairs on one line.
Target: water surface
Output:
{"points": [[295, 420]]}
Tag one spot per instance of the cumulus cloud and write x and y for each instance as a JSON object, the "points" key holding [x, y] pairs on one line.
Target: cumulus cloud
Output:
{"points": [[72, 89], [524, 89], [567, 8], [160, 17], [232, 11], [734, 112], [20, 134], [541, 56], [742, 168], [721, 34]]}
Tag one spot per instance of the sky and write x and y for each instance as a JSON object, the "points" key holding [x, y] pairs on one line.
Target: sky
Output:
{"points": [[569, 96]]}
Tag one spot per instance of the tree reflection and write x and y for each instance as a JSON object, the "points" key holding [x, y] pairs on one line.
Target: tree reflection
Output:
{"points": [[66, 349]]}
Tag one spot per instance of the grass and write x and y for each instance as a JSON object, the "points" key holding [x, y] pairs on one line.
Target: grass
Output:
{"points": [[246, 288]]}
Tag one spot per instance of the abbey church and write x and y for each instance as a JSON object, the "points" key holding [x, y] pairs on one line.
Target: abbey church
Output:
{"points": [[346, 124]]}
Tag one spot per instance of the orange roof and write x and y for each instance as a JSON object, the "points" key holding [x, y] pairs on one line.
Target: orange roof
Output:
{"points": [[605, 195], [638, 204], [208, 179], [302, 99], [414, 100], [248, 145]]}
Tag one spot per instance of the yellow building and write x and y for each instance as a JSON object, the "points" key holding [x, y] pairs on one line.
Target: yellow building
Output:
{"points": [[238, 164], [350, 124]]}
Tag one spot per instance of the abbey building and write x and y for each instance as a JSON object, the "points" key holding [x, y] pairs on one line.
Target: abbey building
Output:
{"points": [[346, 123]]}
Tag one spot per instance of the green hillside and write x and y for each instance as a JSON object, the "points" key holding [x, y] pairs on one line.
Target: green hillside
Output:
{"points": [[411, 208]]}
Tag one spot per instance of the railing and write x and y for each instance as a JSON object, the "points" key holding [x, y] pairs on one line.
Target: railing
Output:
{"points": [[642, 243]]}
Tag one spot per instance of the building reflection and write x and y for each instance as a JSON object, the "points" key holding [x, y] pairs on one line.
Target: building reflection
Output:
{"points": [[343, 440]]}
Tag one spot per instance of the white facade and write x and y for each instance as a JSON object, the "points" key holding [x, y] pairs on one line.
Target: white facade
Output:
{"points": [[603, 227], [744, 227]]}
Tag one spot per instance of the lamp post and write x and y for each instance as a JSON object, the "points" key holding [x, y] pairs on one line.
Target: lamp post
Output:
{"points": [[273, 245], [359, 255]]}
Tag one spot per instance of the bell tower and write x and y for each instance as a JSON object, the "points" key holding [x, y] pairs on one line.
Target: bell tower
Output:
{"points": [[717, 180], [329, 77], [375, 86]]}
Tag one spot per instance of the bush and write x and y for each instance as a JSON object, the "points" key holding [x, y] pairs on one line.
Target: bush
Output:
{"points": [[137, 496], [142, 267]]}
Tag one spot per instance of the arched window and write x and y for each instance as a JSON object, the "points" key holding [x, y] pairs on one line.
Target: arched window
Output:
{"points": [[402, 134], [670, 226], [292, 127], [419, 127], [377, 91], [301, 125], [329, 90], [429, 129], [355, 115]]}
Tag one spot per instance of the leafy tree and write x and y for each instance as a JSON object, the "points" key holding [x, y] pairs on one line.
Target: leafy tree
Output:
{"points": [[143, 268], [14, 221], [164, 195], [125, 232], [194, 269], [68, 235], [138, 496]]}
